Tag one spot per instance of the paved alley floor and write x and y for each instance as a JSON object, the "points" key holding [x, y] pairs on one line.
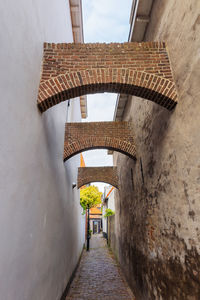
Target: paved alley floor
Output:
{"points": [[98, 275]]}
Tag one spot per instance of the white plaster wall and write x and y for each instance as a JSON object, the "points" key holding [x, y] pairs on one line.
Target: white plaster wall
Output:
{"points": [[110, 204], [41, 226], [111, 201], [104, 220]]}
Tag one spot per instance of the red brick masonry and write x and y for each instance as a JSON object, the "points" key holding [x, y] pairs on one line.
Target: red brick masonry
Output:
{"points": [[140, 69], [116, 136], [97, 174]]}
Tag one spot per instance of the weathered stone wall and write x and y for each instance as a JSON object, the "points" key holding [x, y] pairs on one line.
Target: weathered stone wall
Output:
{"points": [[111, 232], [157, 207]]}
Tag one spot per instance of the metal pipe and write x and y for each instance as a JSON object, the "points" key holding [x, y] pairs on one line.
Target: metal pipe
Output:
{"points": [[88, 230], [135, 7]]}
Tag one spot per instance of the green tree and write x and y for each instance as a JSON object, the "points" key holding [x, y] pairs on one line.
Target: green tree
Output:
{"points": [[90, 197]]}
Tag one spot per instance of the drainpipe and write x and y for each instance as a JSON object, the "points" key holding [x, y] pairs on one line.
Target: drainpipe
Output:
{"points": [[107, 220], [67, 114], [132, 21], [107, 229], [88, 229]]}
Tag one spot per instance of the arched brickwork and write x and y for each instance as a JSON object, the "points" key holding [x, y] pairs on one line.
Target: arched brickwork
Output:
{"points": [[116, 136], [140, 69], [97, 174]]}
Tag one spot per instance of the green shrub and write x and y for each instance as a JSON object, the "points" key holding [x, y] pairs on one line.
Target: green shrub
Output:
{"points": [[109, 212]]}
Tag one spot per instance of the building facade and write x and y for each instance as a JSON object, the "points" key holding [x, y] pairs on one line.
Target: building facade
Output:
{"points": [[41, 226], [108, 202], [96, 219], [157, 208]]}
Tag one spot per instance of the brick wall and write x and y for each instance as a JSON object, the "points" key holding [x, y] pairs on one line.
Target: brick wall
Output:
{"points": [[97, 174], [72, 70], [116, 136]]}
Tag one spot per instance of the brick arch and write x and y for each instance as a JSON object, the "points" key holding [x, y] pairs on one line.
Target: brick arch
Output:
{"points": [[140, 69], [117, 136], [97, 174]]}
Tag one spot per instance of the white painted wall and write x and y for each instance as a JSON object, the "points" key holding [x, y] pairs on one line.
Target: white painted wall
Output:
{"points": [[111, 199], [110, 204], [104, 220], [41, 226]]}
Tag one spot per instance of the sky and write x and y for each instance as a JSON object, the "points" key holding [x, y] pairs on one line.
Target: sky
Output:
{"points": [[104, 21]]}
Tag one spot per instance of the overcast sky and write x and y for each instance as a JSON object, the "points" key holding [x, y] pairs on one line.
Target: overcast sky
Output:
{"points": [[103, 21]]}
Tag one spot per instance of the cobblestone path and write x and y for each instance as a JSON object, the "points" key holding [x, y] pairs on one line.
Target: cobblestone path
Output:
{"points": [[98, 276]]}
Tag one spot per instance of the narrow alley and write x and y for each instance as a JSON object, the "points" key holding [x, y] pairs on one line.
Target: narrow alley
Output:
{"points": [[98, 275], [100, 138]]}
